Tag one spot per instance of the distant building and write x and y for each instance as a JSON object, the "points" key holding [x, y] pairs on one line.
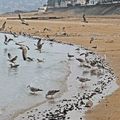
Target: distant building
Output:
{"points": [[108, 1], [64, 3], [68, 3], [57, 3]]}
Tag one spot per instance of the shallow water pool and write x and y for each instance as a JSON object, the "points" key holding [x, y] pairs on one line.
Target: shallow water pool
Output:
{"points": [[56, 72]]}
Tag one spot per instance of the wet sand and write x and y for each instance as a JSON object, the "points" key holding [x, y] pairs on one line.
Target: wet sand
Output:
{"points": [[106, 32]]}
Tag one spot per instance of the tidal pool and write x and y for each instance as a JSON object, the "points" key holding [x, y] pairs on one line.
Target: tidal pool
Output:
{"points": [[56, 72]]}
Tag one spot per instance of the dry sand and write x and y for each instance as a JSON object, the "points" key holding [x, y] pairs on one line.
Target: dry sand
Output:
{"points": [[105, 31]]}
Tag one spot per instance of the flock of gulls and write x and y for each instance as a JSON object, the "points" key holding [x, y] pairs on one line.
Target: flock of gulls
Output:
{"points": [[95, 67], [24, 49]]}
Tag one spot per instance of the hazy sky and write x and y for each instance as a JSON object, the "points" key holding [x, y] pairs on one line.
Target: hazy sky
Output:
{"points": [[11, 5]]}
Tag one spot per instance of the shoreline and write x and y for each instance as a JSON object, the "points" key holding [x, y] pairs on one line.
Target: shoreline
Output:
{"points": [[94, 114]]}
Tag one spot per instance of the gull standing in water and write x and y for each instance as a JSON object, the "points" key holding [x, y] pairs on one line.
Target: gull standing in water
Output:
{"points": [[51, 93], [33, 89], [82, 80], [24, 49]]}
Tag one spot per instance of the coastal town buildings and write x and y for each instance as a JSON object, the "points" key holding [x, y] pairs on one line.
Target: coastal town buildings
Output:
{"points": [[66, 3], [69, 3]]}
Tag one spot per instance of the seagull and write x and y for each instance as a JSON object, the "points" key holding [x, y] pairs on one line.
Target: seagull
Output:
{"points": [[22, 20], [82, 80], [70, 56], [39, 47], [19, 16], [33, 89], [86, 66], [91, 40], [24, 52], [95, 47], [84, 19], [14, 34], [50, 39], [38, 43], [80, 60], [82, 54], [6, 41], [3, 26], [12, 60], [51, 93], [14, 66], [47, 36]]}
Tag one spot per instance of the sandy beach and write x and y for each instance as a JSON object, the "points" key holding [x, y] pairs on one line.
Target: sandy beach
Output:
{"points": [[106, 34]]}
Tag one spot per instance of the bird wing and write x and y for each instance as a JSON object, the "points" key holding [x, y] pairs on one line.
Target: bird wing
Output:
{"points": [[6, 38], [22, 45], [39, 41], [9, 56], [40, 60], [30, 59], [27, 47], [10, 39], [13, 59], [19, 44]]}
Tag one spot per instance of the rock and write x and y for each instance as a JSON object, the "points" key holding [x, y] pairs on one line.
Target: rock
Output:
{"points": [[89, 104]]}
